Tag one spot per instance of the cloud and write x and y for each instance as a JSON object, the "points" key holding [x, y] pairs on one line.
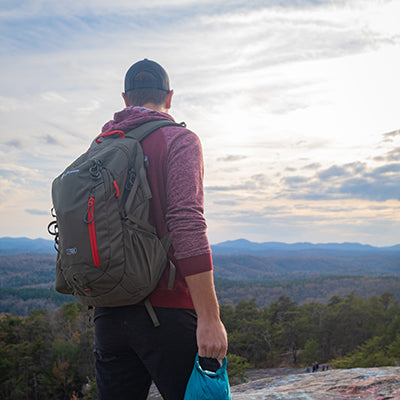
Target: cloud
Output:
{"points": [[226, 202], [255, 183], [392, 155], [232, 158], [8, 104], [36, 212], [348, 181], [312, 166], [51, 140], [386, 169], [381, 189], [228, 188], [16, 143], [391, 135], [295, 181], [274, 210], [62, 130], [336, 171], [333, 171], [53, 97], [358, 180]]}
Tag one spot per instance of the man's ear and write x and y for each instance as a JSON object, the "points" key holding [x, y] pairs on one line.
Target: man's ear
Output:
{"points": [[125, 99], [168, 101]]}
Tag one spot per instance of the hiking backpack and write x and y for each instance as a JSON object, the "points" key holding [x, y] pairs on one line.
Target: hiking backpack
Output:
{"points": [[107, 252]]}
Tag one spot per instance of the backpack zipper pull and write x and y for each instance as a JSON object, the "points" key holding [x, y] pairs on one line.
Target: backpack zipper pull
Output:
{"points": [[92, 232]]}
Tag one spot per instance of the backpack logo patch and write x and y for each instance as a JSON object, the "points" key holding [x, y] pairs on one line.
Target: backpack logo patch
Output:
{"points": [[69, 173], [71, 252]]}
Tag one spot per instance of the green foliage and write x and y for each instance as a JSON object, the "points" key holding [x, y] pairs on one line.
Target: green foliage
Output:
{"points": [[90, 390], [373, 353], [237, 369], [311, 352], [394, 349], [46, 355], [21, 301], [300, 290], [25, 354], [286, 333], [248, 332]]}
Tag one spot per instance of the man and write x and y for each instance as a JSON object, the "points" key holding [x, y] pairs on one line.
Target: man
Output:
{"points": [[130, 352]]}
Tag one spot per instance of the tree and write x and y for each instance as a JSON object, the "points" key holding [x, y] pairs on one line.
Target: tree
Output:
{"points": [[371, 354], [311, 352], [237, 369], [46, 356], [284, 318]]}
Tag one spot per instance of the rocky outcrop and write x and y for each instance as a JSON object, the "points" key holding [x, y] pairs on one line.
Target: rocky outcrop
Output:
{"points": [[358, 383], [347, 384]]}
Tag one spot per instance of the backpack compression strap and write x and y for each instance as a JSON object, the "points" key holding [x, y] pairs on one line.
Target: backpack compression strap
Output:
{"points": [[139, 134]]}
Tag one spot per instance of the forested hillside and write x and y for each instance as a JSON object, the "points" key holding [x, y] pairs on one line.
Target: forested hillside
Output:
{"points": [[306, 290], [302, 272], [305, 265]]}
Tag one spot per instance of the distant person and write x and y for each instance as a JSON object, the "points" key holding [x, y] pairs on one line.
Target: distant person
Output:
{"points": [[130, 351]]}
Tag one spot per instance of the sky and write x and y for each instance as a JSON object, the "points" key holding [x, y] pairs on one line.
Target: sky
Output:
{"points": [[296, 103]]}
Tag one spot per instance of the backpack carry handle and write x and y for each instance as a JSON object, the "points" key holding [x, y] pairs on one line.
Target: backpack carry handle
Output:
{"points": [[112, 134]]}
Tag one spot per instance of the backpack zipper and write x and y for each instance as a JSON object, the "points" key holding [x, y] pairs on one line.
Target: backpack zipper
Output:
{"points": [[92, 232]]}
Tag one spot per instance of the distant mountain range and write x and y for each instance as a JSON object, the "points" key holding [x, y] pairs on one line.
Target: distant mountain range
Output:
{"points": [[243, 246], [248, 261], [21, 245]]}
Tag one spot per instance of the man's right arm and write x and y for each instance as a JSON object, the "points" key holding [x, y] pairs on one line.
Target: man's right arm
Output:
{"points": [[187, 227], [211, 334]]}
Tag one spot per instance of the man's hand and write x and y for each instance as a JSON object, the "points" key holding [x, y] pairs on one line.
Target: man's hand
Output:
{"points": [[211, 339], [211, 334]]}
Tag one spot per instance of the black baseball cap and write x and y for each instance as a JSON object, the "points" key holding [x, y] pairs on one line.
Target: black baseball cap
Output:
{"points": [[160, 81]]}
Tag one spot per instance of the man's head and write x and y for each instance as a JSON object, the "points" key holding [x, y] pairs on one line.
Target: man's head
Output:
{"points": [[147, 84]]}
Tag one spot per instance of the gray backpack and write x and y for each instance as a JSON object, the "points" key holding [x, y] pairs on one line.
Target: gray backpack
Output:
{"points": [[107, 252]]}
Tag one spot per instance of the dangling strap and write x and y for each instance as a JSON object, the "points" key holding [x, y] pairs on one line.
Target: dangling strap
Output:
{"points": [[172, 273], [149, 307], [151, 312], [166, 242]]}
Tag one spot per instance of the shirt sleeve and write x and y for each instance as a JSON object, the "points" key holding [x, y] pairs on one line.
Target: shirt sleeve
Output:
{"points": [[185, 204]]}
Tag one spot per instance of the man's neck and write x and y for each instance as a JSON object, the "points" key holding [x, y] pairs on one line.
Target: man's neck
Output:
{"points": [[155, 107]]}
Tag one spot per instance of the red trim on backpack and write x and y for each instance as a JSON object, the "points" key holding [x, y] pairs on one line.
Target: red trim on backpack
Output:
{"points": [[119, 134], [92, 233], [116, 189]]}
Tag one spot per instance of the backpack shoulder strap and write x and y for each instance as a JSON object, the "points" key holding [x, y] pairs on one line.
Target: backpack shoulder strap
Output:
{"points": [[139, 134], [145, 129]]}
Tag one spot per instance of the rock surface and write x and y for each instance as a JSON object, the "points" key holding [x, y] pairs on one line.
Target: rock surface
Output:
{"points": [[350, 384], [358, 383]]}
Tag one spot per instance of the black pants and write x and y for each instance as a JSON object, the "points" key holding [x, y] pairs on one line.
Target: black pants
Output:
{"points": [[130, 352]]}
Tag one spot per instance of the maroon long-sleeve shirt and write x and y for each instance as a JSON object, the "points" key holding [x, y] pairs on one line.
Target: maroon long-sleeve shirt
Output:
{"points": [[175, 173]]}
